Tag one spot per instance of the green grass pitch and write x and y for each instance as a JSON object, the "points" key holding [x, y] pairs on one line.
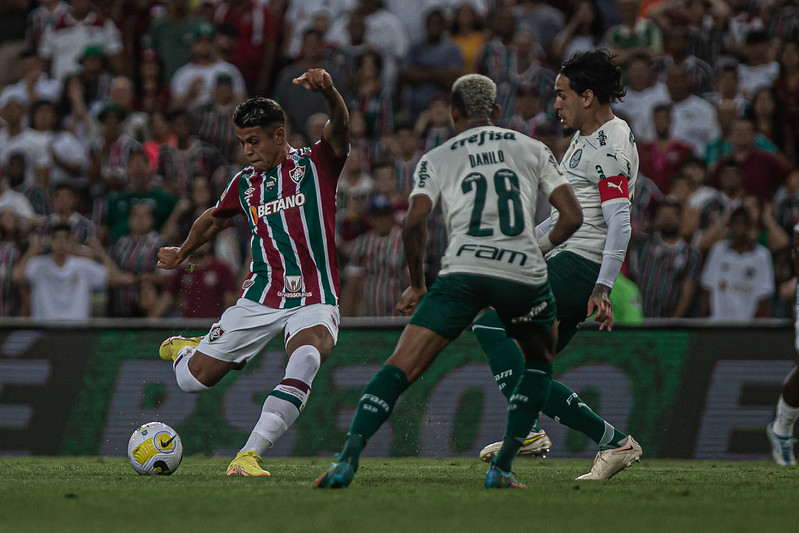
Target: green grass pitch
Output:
{"points": [[398, 494]]}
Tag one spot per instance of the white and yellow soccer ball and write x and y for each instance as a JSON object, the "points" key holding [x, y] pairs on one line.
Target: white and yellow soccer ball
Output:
{"points": [[155, 449]]}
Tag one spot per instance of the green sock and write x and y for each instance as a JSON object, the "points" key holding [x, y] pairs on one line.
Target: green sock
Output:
{"points": [[374, 408], [524, 407], [566, 407], [504, 356]]}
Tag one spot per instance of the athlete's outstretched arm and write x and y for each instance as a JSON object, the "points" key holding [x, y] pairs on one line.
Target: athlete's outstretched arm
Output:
{"points": [[414, 239], [337, 129], [204, 229]]}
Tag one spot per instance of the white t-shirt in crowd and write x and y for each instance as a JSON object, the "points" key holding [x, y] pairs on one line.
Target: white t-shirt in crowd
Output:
{"points": [[33, 145], [737, 282], [63, 293], [185, 75]]}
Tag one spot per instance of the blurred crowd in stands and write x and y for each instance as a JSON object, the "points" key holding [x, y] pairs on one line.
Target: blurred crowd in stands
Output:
{"points": [[117, 133]]}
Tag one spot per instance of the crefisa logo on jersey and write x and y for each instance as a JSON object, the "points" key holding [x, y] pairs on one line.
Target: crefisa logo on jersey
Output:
{"points": [[294, 288], [575, 158]]}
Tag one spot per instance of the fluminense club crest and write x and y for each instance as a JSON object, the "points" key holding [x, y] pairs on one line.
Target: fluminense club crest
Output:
{"points": [[297, 173]]}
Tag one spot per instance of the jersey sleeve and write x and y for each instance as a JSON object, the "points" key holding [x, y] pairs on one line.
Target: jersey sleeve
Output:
{"points": [[424, 180], [229, 205], [551, 176], [328, 164], [610, 170]]}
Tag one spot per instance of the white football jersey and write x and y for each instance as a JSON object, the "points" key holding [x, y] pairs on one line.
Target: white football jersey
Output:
{"points": [[488, 180], [601, 169]]}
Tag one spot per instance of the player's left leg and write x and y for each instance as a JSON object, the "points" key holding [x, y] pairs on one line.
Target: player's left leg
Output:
{"points": [[780, 431], [311, 333]]}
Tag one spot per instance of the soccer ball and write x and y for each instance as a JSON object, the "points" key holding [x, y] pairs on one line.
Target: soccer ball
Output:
{"points": [[155, 448]]}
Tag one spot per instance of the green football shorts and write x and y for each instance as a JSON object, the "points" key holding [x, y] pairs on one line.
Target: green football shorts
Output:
{"points": [[452, 302]]}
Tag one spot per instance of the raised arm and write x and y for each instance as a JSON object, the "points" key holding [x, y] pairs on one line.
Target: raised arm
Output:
{"points": [[204, 229], [337, 129]]}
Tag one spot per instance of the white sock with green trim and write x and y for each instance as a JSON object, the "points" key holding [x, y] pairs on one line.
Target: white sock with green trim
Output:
{"points": [[286, 401]]}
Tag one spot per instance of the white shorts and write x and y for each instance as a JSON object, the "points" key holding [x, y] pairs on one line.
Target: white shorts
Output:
{"points": [[246, 328]]}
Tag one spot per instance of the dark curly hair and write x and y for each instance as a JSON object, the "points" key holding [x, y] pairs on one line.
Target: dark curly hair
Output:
{"points": [[595, 70], [259, 111]]}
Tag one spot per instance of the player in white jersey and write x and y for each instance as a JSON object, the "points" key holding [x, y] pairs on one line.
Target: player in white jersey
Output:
{"points": [[487, 179], [601, 165], [780, 431]]}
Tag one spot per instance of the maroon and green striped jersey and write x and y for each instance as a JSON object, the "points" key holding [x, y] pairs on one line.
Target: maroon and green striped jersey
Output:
{"points": [[291, 210]]}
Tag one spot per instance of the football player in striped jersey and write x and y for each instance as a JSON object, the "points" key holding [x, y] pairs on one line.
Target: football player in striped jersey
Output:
{"points": [[288, 197]]}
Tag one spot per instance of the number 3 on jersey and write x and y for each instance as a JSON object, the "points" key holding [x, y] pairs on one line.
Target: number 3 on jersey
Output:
{"points": [[506, 185]]}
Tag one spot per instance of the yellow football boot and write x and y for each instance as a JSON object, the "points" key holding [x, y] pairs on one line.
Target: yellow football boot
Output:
{"points": [[246, 464], [171, 347]]}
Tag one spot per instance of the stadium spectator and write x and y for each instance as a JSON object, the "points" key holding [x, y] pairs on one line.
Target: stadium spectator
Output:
{"points": [[95, 76], [702, 80], [768, 232], [65, 203], [667, 268], [121, 91], [693, 118], [721, 146], [16, 137], [34, 82], [213, 120], [140, 188], [583, 31], [373, 100], [16, 202], [70, 161], [201, 288], [528, 113], [661, 158], [71, 33], [355, 188], [382, 29], [41, 18], [763, 172], [770, 121], [194, 81], [110, 154], [635, 36], [189, 157], [384, 175], [786, 202], [11, 247], [528, 70], [432, 64], [301, 16], [255, 46], [61, 282], [541, 20], [73, 108], [434, 125], [152, 90], [738, 277], [495, 55], [468, 34], [135, 253], [714, 216], [727, 89], [298, 103], [404, 146], [758, 70], [375, 274], [172, 35], [786, 88], [643, 92]]}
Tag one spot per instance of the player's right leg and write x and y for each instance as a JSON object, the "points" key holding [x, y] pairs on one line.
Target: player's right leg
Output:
{"points": [[416, 349], [528, 313], [445, 311], [780, 431]]}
